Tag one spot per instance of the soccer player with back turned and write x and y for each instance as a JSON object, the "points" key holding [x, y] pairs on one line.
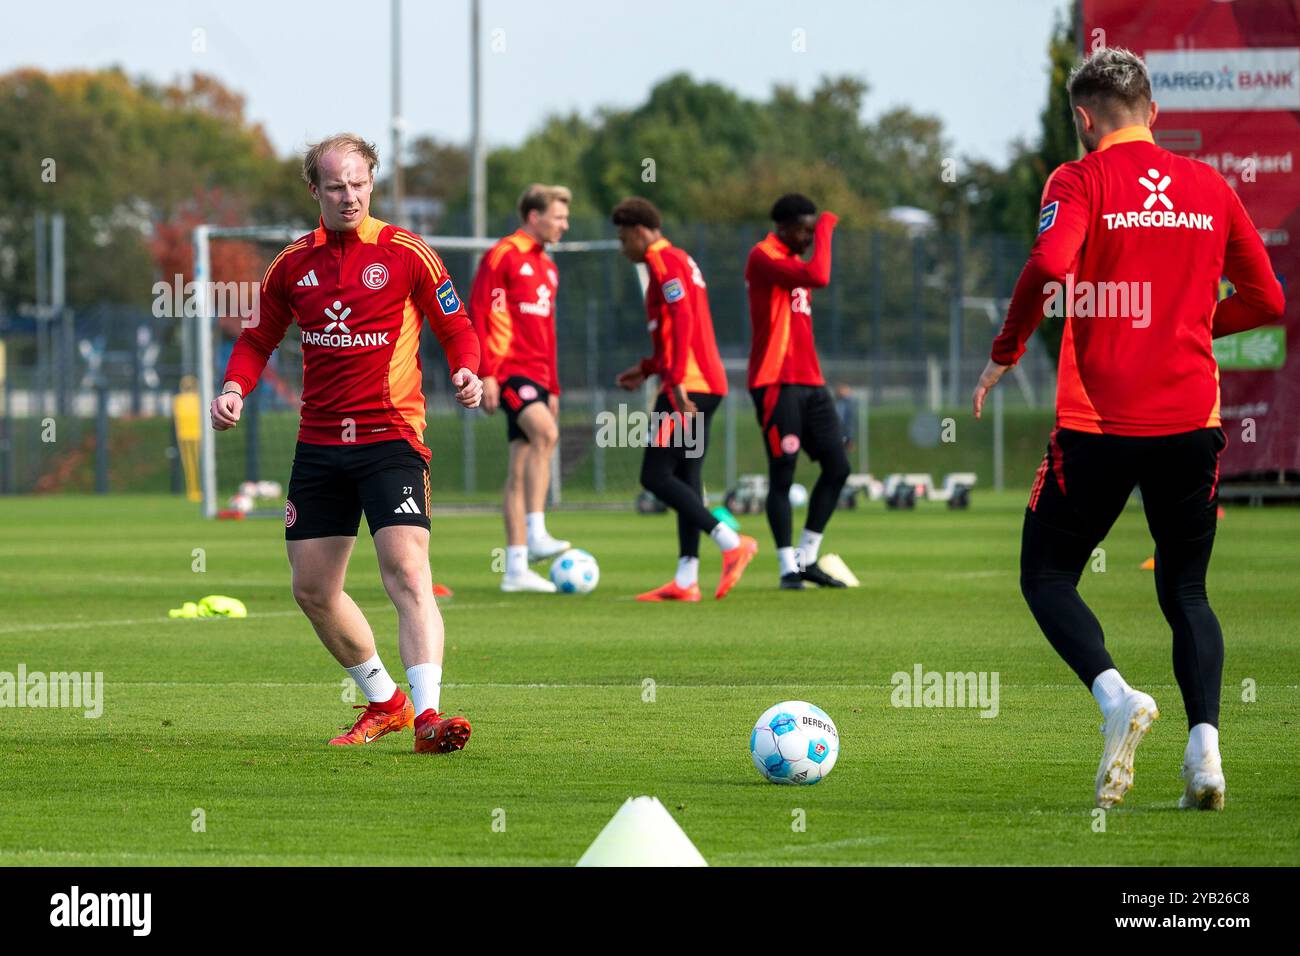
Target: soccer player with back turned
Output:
{"points": [[356, 288], [785, 379], [1137, 397], [692, 385]]}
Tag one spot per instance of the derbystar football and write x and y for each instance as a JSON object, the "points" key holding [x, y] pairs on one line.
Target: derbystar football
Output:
{"points": [[794, 742], [575, 572]]}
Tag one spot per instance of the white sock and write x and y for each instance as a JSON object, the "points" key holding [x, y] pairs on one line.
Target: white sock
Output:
{"points": [[1202, 742], [788, 563], [426, 685], [537, 526], [725, 536], [1109, 688], [688, 571], [516, 560], [375, 684], [810, 543]]}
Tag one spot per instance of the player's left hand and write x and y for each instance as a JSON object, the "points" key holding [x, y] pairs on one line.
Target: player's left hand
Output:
{"points": [[988, 378], [469, 388], [553, 403], [631, 378]]}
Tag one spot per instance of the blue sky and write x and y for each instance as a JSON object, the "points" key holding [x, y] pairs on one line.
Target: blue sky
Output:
{"points": [[307, 70]]}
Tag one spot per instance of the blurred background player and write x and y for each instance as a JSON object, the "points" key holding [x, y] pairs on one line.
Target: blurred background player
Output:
{"points": [[795, 410], [1137, 399], [692, 385], [351, 285], [513, 308]]}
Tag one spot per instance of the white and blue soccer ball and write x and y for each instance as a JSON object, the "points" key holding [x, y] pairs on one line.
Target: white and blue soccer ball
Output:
{"points": [[575, 572], [794, 742]]}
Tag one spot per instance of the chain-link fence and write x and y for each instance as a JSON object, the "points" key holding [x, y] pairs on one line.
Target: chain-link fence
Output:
{"points": [[903, 331]]}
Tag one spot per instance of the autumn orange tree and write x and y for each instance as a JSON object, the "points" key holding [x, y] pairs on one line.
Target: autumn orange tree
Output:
{"points": [[132, 165]]}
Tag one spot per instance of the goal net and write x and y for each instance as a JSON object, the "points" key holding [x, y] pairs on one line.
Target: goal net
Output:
{"points": [[468, 447]]}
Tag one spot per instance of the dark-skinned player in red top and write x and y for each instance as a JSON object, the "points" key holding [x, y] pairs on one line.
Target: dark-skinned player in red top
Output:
{"points": [[692, 386], [794, 408], [1132, 243], [359, 290]]}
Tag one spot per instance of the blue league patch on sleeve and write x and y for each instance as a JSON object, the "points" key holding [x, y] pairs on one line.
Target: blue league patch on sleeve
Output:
{"points": [[1047, 217], [447, 298], [673, 290]]}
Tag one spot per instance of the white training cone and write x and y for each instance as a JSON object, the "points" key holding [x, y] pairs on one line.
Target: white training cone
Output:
{"points": [[642, 833], [834, 565]]}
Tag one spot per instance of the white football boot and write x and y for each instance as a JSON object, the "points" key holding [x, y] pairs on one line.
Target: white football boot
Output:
{"points": [[539, 549], [527, 580], [1205, 784], [1124, 729]]}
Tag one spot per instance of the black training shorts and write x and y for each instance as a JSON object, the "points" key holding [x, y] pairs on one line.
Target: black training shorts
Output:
{"points": [[517, 393], [331, 485], [794, 417]]}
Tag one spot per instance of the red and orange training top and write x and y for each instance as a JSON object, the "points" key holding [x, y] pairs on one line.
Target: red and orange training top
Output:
{"points": [[1132, 242], [780, 308], [512, 304], [357, 298], [680, 324]]}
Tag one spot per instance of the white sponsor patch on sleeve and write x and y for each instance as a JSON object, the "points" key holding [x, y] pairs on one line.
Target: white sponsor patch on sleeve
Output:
{"points": [[673, 290]]}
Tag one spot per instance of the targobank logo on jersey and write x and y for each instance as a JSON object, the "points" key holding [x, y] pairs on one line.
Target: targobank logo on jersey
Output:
{"points": [[542, 306], [447, 299], [1166, 217], [336, 334]]}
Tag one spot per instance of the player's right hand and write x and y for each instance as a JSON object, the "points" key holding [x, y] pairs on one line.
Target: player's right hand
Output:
{"points": [[491, 394], [469, 388], [225, 410]]}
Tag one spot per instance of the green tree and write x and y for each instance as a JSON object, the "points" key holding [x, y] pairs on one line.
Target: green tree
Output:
{"points": [[122, 159]]}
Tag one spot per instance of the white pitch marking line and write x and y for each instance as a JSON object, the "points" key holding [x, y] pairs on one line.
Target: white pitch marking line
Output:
{"points": [[135, 622]]}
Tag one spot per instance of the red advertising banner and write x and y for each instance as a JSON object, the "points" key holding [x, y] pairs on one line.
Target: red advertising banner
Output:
{"points": [[1226, 76]]}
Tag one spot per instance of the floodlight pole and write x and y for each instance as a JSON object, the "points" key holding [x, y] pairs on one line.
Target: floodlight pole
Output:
{"points": [[477, 160], [396, 58]]}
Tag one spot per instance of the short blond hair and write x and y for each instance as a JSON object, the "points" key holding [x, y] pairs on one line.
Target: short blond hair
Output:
{"points": [[539, 196], [348, 143]]}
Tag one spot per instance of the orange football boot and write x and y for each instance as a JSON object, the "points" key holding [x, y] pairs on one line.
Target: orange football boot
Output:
{"points": [[377, 720], [734, 563], [672, 591], [437, 734]]}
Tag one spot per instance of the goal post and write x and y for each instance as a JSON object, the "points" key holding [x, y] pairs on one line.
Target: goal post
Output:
{"points": [[212, 297]]}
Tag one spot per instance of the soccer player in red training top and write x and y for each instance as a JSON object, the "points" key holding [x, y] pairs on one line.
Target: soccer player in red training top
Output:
{"points": [[512, 304], [1140, 238], [692, 385], [356, 288], [794, 408]]}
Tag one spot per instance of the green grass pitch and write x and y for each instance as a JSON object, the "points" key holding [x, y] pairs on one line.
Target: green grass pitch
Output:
{"points": [[231, 717]]}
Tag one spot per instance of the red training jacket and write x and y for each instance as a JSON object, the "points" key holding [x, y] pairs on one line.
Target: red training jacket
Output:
{"points": [[1132, 241], [512, 304], [680, 324], [780, 308], [357, 297]]}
